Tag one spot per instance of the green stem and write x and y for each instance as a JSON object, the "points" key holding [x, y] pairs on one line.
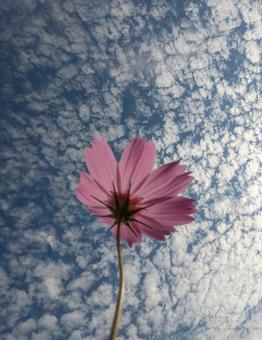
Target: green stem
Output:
{"points": [[121, 288]]}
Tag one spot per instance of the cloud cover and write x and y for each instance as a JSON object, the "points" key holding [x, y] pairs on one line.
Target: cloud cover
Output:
{"points": [[186, 75]]}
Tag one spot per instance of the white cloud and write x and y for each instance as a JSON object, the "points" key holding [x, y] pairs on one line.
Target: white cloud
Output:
{"points": [[253, 51], [164, 78], [48, 321], [51, 275], [53, 286], [72, 320]]}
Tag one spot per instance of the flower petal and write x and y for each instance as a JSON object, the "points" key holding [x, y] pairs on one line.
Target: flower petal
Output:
{"points": [[129, 235], [97, 210], [174, 212], [152, 228], [165, 180], [136, 162], [101, 163], [106, 220], [89, 193]]}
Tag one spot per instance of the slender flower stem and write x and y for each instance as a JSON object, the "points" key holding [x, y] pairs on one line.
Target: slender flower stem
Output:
{"points": [[121, 289]]}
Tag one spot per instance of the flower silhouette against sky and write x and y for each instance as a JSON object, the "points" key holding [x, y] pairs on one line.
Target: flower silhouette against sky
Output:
{"points": [[130, 193]]}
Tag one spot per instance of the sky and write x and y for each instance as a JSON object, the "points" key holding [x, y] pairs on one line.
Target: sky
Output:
{"points": [[183, 74]]}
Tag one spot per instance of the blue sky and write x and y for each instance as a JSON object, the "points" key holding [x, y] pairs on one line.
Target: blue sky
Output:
{"points": [[184, 74]]}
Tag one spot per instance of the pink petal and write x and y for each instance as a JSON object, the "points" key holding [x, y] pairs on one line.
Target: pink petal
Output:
{"points": [[152, 201], [92, 187], [152, 228], [107, 220], [87, 191], [136, 162], [180, 184], [161, 179], [174, 212], [86, 200], [128, 235], [174, 204], [101, 163]]}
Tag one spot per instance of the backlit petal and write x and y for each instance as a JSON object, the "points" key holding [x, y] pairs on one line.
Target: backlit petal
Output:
{"points": [[152, 227], [127, 234], [162, 180], [101, 163], [175, 212], [86, 192], [136, 162]]}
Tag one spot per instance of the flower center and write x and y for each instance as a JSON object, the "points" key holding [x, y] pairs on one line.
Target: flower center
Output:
{"points": [[122, 209]]}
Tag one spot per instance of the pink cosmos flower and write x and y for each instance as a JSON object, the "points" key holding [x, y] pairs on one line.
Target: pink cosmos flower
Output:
{"points": [[130, 193]]}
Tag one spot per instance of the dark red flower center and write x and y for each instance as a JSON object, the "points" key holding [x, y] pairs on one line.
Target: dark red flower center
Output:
{"points": [[123, 209]]}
